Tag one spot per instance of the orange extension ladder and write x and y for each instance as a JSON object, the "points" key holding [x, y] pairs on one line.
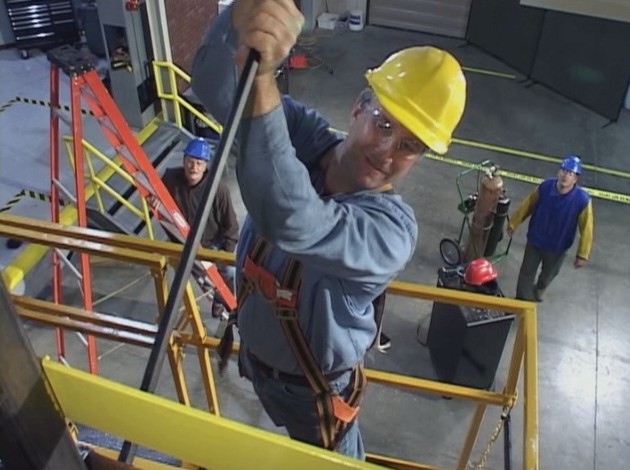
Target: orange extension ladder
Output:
{"points": [[86, 84]]}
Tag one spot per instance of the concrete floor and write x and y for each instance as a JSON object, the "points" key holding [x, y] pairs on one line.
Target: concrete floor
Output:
{"points": [[584, 364]]}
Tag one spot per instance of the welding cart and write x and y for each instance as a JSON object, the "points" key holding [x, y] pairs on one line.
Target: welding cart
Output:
{"points": [[490, 230], [466, 343]]}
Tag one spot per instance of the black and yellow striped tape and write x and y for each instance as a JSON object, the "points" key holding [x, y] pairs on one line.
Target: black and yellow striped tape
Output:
{"points": [[8, 104], [28, 193], [45, 103], [12, 202]]}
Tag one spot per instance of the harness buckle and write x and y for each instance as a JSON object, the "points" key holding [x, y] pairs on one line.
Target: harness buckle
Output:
{"points": [[286, 313], [267, 286], [248, 285]]}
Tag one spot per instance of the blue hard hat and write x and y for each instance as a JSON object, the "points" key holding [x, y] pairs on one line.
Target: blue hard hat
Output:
{"points": [[572, 163], [199, 148]]}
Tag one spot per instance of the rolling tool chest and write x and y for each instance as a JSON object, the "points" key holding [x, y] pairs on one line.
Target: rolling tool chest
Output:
{"points": [[42, 24]]}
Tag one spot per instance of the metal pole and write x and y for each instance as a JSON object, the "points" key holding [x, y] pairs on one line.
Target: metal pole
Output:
{"points": [[158, 352], [54, 196]]}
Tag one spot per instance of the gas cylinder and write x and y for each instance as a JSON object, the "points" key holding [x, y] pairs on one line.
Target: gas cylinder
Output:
{"points": [[496, 234], [490, 191]]}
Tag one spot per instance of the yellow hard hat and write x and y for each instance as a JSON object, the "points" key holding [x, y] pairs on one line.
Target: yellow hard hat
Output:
{"points": [[424, 89]]}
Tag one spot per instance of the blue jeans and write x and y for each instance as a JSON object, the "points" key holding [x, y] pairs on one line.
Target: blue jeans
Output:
{"points": [[293, 407]]}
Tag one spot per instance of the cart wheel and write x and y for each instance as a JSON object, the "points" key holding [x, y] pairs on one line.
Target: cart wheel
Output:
{"points": [[450, 251], [24, 54]]}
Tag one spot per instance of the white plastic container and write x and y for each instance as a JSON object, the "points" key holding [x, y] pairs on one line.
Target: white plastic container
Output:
{"points": [[327, 20], [356, 21]]}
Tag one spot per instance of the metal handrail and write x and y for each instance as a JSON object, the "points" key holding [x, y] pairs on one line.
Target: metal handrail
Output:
{"points": [[524, 354], [174, 72], [100, 184]]}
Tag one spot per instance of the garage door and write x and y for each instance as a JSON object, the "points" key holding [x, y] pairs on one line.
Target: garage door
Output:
{"points": [[447, 17]]}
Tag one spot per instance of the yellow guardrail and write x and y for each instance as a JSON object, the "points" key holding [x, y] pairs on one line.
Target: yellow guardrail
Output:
{"points": [[99, 183], [523, 358], [186, 433], [173, 73]]}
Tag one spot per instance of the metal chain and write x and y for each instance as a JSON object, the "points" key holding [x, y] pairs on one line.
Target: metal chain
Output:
{"points": [[493, 438]]}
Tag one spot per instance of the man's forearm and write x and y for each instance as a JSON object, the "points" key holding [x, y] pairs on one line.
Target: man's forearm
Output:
{"points": [[263, 97], [524, 210]]}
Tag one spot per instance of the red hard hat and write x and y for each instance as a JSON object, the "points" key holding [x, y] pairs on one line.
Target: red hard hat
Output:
{"points": [[479, 271]]}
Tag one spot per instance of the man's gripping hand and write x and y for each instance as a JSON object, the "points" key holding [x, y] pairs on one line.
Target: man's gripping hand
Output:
{"points": [[271, 27]]}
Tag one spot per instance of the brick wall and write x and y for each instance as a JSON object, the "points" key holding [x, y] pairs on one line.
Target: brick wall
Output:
{"points": [[187, 22]]}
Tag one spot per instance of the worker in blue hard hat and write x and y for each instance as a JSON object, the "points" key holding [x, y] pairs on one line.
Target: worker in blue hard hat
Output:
{"points": [[186, 186], [559, 208], [196, 158]]}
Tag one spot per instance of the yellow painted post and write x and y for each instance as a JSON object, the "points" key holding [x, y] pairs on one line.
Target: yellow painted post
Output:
{"points": [[146, 211], [174, 96], [175, 355], [530, 433], [471, 437], [199, 330], [175, 350], [516, 360], [161, 289]]}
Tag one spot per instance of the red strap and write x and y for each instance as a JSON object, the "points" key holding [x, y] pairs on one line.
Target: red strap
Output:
{"points": [[268, 285]]}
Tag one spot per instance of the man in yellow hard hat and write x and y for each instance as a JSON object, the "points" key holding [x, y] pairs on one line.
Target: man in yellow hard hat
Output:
{"points": [[325, 231]]}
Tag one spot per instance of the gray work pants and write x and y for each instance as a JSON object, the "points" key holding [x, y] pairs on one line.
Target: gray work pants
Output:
{"points": [[532, 258]]}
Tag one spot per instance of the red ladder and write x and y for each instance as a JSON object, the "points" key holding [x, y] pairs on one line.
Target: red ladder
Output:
{"points": [[85, 83]]}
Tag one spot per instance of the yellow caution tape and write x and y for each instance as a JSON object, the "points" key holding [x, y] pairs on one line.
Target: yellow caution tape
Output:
{"points": [[536, 156], [492, 73], [598, 193]]}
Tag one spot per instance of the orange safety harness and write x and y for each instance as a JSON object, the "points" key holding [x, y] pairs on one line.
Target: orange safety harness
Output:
{"points": [[334, 413]]}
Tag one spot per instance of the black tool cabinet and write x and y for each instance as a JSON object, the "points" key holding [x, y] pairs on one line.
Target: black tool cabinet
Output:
{"points": [[466, 343], [42, 24]]}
